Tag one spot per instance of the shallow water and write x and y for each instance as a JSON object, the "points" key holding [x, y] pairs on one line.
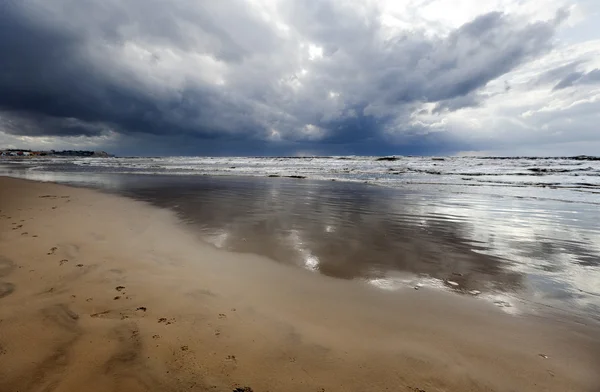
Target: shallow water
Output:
{"points": [[521, 251]]}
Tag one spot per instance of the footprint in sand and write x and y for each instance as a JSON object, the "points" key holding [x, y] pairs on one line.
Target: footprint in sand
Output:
{"points": [[62, 316], [46, 374], [6, 266], [63, 261], [52, 250], [127, 362], [6, 289]]}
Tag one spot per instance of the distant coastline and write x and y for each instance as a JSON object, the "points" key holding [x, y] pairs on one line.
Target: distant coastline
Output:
{"points": [[16, 152]]}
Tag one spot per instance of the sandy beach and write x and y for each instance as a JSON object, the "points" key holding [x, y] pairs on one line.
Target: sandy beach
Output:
{"points": [[104, 293]]}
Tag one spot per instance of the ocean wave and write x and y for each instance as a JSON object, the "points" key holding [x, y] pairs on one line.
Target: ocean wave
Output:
{"points": [[392, 171]]}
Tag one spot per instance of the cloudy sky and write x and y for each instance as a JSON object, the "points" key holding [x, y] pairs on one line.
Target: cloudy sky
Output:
{"points": [[274, 77]]}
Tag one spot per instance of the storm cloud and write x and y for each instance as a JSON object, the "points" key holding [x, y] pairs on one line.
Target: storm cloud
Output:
{"points": [[267, 76]]}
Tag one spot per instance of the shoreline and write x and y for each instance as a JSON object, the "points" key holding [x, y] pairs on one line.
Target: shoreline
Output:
{"points": [[192, 317]]}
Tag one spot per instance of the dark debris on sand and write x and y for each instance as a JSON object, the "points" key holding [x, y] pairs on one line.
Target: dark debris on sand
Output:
{"points": [[165, 321], [244, 389]]}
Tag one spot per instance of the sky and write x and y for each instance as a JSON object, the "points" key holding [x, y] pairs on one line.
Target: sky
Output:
{"points": [[301, 77]]}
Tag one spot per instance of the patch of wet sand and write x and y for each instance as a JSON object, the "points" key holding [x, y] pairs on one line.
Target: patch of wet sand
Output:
{"points": [[190, 317]]}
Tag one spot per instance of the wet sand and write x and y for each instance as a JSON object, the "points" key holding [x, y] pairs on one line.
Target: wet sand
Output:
{"points": [[104, 293]]}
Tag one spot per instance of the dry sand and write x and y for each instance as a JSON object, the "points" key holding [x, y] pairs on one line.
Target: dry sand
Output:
{"points": [[103, 293]]}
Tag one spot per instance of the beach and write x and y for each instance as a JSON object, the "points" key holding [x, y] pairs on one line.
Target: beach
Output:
{"points": [[101, 292]]}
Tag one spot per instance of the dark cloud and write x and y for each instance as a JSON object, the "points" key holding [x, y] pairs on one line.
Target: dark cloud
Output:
{"points": [[460, 102], [578, 78], [188, 71], [568, 75], [556, 73], [36, 124]]}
